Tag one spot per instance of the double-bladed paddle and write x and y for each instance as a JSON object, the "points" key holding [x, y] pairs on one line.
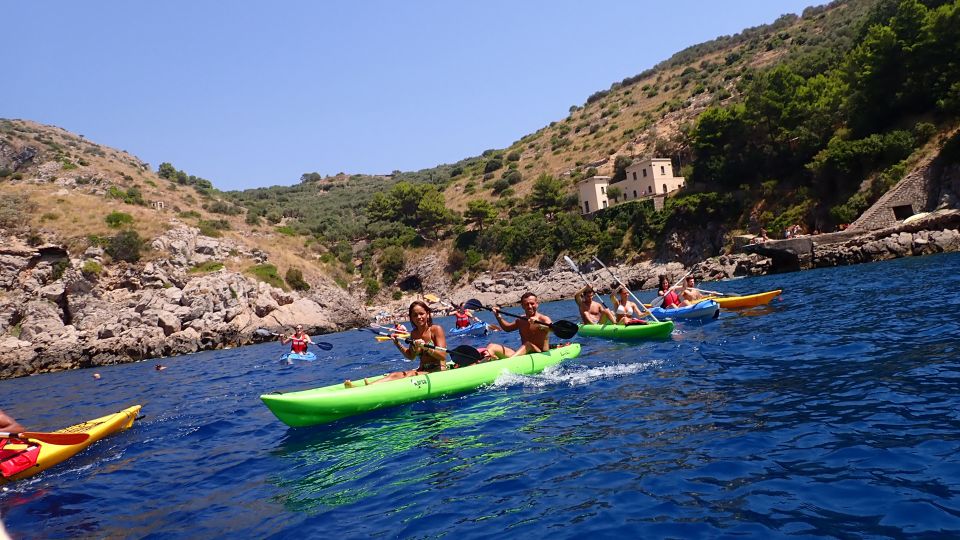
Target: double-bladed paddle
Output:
{"points": [[563, 329], [63, 439], [573, 266], [467, 354], [263, 332]]}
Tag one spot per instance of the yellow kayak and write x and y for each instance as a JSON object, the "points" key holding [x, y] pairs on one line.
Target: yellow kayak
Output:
{"points": [[19, 460], [750, 300]]}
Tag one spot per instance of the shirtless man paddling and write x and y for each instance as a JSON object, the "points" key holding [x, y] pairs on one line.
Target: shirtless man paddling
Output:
{"points": [[534, 337]]}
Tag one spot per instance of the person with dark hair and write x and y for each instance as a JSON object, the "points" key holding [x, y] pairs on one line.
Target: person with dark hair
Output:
{"points": [[425, 332], [690, 294], [670, 298], [591, 311], [534, 334]]}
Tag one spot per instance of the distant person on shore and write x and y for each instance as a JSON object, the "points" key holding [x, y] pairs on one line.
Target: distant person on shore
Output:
{"points": [[591, 311], [626, 310], [425, 332], [670, 297], [298, 340], [159, 367], [534, 337], [9, 425], [690, 294]]}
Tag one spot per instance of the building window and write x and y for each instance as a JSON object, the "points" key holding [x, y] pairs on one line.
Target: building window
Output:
{"points": [[603, 190], [604, 204], [634, 194], [644, 173], [662, 170], [664, 188], [634, 175], [649, 189], [586, 207]]}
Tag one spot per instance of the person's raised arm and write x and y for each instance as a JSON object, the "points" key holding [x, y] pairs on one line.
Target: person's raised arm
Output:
{"points": [[507, 326]]}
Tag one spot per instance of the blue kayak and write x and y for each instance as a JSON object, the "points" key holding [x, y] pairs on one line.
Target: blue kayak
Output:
{"points": [[475, 329], [291, 356], [706, 309]]}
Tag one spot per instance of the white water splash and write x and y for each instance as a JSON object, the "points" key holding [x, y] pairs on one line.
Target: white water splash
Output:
{"points": [[560, 375]]}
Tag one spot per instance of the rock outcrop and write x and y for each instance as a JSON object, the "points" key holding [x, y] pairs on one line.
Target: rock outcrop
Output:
{"points": [[55, 317]]}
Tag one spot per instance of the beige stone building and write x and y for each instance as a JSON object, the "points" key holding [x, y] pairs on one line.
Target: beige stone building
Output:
{"points": [[647, 178], [593, 193]]}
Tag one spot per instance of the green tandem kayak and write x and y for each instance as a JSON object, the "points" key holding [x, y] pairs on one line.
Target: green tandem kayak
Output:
{"points": [[651, 330], [322, 405]]}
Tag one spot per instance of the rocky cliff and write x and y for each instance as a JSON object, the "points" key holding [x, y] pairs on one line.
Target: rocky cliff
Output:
{"points": [[55, 316]]}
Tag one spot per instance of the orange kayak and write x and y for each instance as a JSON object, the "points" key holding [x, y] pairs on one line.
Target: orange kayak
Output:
{"points": [[750, 300]]}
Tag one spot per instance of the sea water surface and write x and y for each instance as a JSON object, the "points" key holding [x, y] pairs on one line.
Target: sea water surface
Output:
{"points": [[832, 412]]}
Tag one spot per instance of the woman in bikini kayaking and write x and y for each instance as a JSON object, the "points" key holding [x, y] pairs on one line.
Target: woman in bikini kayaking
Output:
{"points": [[424, 333]]}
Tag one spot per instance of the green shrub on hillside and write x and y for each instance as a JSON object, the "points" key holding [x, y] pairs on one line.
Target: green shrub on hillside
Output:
{"points": [[207, 267], [267, 273], [117, 219], [125, 246], [212, 227], [391, 263], [294, 278], [91, 269], [15, 209]]}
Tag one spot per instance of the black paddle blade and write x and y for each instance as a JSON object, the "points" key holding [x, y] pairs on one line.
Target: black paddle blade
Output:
{"points": [[564, 329], [466, 355], [323, 345], [473, 304]]}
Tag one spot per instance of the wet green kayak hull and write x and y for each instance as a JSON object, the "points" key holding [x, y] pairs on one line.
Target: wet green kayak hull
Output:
{"points": [[635, 332], [322, 405]]}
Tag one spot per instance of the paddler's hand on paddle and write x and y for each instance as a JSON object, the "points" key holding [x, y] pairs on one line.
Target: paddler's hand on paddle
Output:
{"points": [[417, 346], [8, 424]]}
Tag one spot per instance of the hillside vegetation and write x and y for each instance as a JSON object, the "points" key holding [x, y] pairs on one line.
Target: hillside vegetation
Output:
{"points": [[807, 120]]}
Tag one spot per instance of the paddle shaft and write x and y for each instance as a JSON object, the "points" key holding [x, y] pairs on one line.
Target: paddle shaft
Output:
{"points": [[576, 269], [452, 352], [63, 439], [635, 299]]}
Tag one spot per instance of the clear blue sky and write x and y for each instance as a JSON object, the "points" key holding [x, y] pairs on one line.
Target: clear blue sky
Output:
{"points": [[251, 94]]}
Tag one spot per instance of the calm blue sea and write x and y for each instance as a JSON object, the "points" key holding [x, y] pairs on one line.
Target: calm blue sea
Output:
{"points": [[833, 412]]}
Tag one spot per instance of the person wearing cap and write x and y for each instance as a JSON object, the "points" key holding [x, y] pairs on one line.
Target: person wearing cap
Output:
{"points": [[298, 340], [591, 311]]}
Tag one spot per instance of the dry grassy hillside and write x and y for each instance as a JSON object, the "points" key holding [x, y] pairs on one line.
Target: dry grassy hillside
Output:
{"points": [[647, 115], [75, 183]]}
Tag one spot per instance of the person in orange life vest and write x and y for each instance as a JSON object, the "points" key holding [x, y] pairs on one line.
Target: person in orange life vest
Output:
{"points": [[464, 316], [298, 340], [670, 298]]}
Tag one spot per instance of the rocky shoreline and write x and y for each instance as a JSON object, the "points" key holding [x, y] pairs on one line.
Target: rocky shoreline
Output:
{"points": [[54, 316]]}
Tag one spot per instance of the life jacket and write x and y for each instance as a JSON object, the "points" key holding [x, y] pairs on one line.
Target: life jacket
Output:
{"points": [[13, 461], [463, 320], [671, 300], [298, 345]]}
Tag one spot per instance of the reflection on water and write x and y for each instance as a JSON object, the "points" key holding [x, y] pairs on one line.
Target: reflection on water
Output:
{"points": [[335, 460]]}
